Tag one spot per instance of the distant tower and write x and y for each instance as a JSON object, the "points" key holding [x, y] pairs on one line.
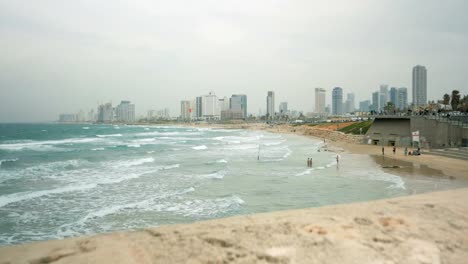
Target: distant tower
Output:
{"points": [[402, 98], [383, 97], [271, 104], [419, 85], [319, 100], [337, 101]]}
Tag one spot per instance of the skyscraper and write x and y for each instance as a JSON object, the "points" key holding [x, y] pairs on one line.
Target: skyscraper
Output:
{"points": [[337, 101], [185, 110], [125, 112], [402, 98], [375, 101], [349, 105], [383, 97], [238, 102], [283, 108], [210, 106], [319, 100], [419, 85], [364, 106], [394, 96], [271, 104], [198, 107], [105, 113]]}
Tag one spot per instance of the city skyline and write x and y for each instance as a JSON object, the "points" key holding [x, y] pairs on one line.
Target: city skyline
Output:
{"points": [[152, 52]]}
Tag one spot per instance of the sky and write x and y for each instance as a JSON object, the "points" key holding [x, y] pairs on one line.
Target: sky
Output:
{"points": [[62, 56]]}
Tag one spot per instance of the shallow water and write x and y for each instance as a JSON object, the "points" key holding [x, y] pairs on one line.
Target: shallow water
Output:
{"points": [[65, 180]]}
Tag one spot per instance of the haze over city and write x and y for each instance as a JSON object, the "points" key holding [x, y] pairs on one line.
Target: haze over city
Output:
{"points": [[58, 57]]}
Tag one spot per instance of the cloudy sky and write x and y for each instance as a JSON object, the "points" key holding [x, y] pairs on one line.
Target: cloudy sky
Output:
{"points": [[62, 56]]}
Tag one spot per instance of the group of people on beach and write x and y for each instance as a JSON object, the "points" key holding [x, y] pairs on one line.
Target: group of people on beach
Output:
{"points": [[414, 153]]}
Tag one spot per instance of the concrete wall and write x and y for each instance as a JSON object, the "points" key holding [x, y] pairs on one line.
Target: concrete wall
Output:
{"points": [[433, 133], [389, 131]]}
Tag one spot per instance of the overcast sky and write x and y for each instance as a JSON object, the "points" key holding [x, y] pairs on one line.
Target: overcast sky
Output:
{"points": [[62, 56]]}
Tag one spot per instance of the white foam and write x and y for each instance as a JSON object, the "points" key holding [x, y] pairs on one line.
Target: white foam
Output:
{"points": [[221, 161], [46, 145], [275, 143], [200, 147], [109, 135], [17, 197], [85, 128], [97, 149], [308, 171], [217, 175], [133, 145], [135, 162], [171, 167], [7, 160]]}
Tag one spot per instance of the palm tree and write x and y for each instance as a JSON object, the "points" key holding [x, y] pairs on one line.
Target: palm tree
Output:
{"points": [[455, 99], [446, 100]]}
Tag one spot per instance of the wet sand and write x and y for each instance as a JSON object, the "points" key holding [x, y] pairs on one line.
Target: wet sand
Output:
{"points": [[427, 228]]}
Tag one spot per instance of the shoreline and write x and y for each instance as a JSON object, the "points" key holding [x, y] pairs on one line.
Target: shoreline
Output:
{"points": [[414, 227], [426, 228]]}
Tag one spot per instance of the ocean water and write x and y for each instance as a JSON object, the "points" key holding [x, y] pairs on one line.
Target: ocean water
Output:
{"points": [[59, 180]]}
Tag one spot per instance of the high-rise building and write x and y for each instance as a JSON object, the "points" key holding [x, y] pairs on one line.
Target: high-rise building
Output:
{"points": [[319, 100], [105, 113], [239, 102], [337, 101], [223, 103], [185, 110], [125, 112], [419, 85], [271, 104], [349, 105], [67, 118], [375, 101], [198, 107], [383, 97], [402, 98], [394, 96], [364, 106], [283, 108], [210, 106]]}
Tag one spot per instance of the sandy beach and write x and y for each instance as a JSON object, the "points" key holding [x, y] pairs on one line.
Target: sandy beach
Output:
{"points": [[427, 228]]}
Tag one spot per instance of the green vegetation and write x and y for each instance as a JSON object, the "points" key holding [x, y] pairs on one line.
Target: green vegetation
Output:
{"points": [[354, 128]]}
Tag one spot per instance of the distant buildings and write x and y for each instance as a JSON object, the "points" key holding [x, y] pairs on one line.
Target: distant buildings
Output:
{"points": [[383, 96], [162, 114], [210, 107], [419, 85], [394, 96], [185, 110], [320, 100], [283, 108], [270, 104], [67, 118], [125, 112], [364, 106], [337, 101], [402, 98], [349, 104], [105, 113], [238, 102]]}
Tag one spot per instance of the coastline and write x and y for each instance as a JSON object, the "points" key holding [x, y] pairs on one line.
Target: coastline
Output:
{"points": [[426, 228], [415, 228]]}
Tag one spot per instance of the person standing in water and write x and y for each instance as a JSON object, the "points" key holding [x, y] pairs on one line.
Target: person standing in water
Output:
{"points": [[308, 162], [337, 158]]}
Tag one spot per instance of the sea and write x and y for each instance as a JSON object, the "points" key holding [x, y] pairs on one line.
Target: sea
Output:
{"points": [[65, 180]]}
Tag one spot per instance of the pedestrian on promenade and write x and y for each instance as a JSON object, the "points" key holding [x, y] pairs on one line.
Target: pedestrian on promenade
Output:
{"points": [[394, 150], [383, 151]]}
